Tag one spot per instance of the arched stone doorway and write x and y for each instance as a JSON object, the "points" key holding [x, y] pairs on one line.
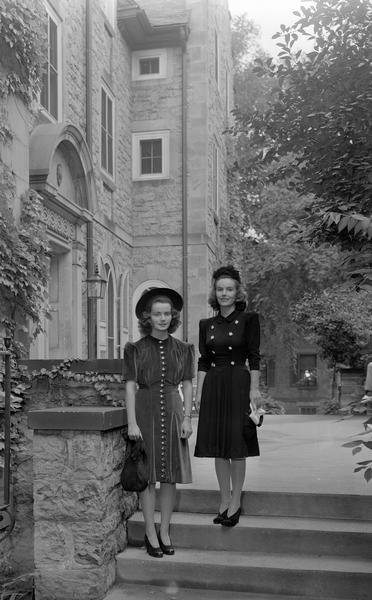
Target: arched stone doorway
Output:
{"points": [[61, 172]]}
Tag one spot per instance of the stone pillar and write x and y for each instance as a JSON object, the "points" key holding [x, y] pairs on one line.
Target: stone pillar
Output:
{"points": [[79, 505]]}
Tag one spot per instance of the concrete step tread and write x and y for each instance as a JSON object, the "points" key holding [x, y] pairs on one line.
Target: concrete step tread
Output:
{"points": [[130, 591], [223, 559], [269, 522]]}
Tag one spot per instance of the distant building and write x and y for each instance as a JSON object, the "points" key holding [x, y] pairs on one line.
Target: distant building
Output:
{"points": [[128, 154]]}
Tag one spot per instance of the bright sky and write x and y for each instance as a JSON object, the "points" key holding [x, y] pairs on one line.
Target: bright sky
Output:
{"points": [[268, 14]]}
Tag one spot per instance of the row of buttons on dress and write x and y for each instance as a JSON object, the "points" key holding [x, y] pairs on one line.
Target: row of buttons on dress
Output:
{"points": [[229, 347], [163, 429]]}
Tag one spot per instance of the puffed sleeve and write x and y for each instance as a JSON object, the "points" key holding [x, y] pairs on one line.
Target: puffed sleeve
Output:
{"points": [[204, 361], [129, 362], [252, 333], [189, 361]]}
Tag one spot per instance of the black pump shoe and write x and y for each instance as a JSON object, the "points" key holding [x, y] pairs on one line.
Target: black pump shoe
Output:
{"points": [[166, 548], [233, 520], [220, 517], [151, 550]]}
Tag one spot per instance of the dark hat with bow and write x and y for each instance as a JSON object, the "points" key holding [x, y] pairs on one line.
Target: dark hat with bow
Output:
{"points": [[227, 271]]}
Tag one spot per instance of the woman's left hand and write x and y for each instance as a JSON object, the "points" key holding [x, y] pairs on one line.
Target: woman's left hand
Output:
{"points": [[186, 428], [255, 397]]}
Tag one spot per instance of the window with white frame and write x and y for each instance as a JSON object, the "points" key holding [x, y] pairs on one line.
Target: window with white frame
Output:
{"points": [[149, 64], [51, 91], [107, 132], [215, 186], [216, 57], [150, 155]]}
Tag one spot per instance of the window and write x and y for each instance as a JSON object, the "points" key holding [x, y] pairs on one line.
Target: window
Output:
{"points": [[50, 97], [268, 371], [305, 372], [122, 318], [216, 56], [215, 178], [107, 132], [227, 91], [151, 155], [149, 64], [110, 315], [107, 317]]}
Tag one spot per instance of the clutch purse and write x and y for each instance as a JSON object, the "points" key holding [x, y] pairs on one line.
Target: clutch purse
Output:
{"points": [[253, 418], [135, 474]]}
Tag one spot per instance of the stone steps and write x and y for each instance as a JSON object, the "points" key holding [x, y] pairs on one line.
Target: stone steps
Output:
{"points": [[321, 577], [137, 591], [291, 504], [286, 546], [257, 534]]}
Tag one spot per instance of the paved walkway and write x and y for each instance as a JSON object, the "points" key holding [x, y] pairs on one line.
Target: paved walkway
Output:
{"points": [[298, 454]]}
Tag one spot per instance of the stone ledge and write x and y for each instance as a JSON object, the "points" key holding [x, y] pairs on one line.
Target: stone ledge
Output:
{"points": [[80, 418]]}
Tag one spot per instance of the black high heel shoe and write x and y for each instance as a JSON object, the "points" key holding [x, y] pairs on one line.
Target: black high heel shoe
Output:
{"points": [[166, 548], [220, 517], [233, 520], [156, 552]]}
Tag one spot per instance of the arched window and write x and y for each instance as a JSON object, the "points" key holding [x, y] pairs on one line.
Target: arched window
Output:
{"points": [[122, 312], [107, 333]]}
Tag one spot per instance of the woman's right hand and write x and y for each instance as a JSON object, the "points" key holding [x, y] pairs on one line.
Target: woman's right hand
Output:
{"points": [[134, 432], [197, 401]]}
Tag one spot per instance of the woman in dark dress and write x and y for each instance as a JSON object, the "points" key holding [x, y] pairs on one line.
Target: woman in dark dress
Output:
{"points": [[153, 369], [225, 388]]}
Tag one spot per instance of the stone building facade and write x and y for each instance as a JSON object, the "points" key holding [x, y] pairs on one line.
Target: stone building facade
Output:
{"points": [[128, 154]]}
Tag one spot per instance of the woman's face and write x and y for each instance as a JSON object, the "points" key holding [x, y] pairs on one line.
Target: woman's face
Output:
{"points": [[161, 316], [226, 291]]}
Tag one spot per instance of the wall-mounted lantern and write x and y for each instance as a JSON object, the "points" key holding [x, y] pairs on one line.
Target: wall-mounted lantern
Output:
{"points": [[96, 285]]}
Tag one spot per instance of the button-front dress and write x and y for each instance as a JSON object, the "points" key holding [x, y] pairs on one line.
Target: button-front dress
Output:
{"points": [[225, 344], [158, 367]]}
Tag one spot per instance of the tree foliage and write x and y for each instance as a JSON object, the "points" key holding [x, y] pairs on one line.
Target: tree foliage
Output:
{"points": [[338, 321], [320, 120], [279, 265]]}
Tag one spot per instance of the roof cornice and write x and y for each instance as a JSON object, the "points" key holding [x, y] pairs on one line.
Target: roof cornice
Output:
{"points": [[140, 34]]}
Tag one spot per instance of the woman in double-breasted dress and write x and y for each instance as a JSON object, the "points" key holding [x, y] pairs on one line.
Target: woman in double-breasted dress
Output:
{"points": [[226, 388]]}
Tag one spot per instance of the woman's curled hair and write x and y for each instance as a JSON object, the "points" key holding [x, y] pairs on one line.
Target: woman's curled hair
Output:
{"points": [[241, 298]]}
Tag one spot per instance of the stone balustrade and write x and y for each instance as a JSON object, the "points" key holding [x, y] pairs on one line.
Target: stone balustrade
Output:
{"points": [[80, 509]]}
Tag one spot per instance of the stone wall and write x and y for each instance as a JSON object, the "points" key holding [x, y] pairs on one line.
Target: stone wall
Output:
{"points": [[46, 393], [79, 506]]}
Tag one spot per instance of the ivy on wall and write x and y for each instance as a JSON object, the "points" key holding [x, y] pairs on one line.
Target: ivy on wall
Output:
{"points": [[23, 245], [23, 47]]}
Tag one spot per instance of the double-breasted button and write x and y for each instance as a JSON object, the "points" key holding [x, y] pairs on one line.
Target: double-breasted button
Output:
{"points": [[230, 332], [212, 337], [230, 347], [232, 363], [236, 322], [213, 365]]}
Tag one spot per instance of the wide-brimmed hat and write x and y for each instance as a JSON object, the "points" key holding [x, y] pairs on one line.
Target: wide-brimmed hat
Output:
{"points": [[174, 297]]}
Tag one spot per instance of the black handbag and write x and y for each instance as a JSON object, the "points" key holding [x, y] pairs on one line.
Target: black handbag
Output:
{"points": [[135, 474], [249, 426]]}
